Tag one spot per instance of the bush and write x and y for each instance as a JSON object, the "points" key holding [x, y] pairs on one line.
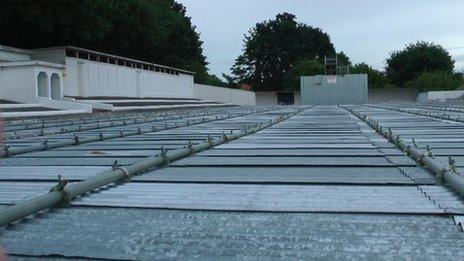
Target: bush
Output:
{"points": [[436, 81], [376, 78]]}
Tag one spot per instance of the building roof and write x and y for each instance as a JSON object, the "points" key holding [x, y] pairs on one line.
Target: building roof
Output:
{"points": [[320, 184], [15, 50], [32, 63]]}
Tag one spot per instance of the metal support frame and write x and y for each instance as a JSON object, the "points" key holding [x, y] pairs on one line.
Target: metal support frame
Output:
{"points": [[55, 198], [437, 116], [111, 122], [452, 178], [77, 140]]}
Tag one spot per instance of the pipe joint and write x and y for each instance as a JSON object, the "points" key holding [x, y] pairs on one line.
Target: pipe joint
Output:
{"points": [[65, 194], [164, 156]]}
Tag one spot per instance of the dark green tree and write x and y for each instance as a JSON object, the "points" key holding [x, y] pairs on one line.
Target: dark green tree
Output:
{"points": [[375, 77], [230, 81], [416, 59], [343, 59], [272, 47], [308, 67], [436, 81], [151, 30]]}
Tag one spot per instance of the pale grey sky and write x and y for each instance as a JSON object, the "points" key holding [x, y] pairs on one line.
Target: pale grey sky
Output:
{"points": [[366, 30]]}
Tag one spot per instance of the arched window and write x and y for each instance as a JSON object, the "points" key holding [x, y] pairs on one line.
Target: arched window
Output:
{"points": [[55, 86], [42, 85]]}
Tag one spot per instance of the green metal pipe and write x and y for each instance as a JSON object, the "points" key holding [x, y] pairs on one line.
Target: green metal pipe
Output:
{"points": [[456, 182], [433, 165], [30, 207], [415, 153]]}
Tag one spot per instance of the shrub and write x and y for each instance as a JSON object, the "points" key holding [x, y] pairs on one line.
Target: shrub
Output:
{"points": [[436, 81]]}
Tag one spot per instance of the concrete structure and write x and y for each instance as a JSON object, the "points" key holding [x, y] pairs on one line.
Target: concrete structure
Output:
{"points": [[18, 77], [440, 96], [392, 95], [60, 77], [87, 73], [334, 89], [278, 98], [35, 83], [95, 74], [224, 95]]}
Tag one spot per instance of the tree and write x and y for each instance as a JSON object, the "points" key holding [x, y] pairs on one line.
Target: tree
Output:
{"points": [[416, 59], [302, 68], [230, 81], [343, 59], [156, 31], [272, 47], [214, 80], [436, 81], [375, 78]]}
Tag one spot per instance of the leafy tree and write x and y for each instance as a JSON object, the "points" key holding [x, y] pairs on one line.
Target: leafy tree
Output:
{"points": [[151, 30], [230, 81], [343, 59], [436, 81], [302, 68], [214, 80], [272, 47], [375, 78], [416, 59]]}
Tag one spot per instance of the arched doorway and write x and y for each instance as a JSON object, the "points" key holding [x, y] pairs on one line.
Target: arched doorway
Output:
{"points": [[55, 86], [42, 85]]}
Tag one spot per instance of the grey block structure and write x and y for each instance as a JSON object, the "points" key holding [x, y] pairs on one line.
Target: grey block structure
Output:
{"points": [[334, 89]]}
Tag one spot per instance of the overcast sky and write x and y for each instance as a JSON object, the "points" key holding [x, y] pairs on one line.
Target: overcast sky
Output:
{"points": [[366, 30]]}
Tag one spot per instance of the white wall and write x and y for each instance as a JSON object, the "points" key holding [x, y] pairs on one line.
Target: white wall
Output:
{"points": [[18, 80], [266, 98], [18, 83], [89, 78], [392, 95], [224, 95], [270, 98], [439, 95]]}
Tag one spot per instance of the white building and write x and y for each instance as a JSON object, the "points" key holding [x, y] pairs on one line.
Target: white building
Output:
{"points": [[59, 77], [77, 72], [77, 79]]}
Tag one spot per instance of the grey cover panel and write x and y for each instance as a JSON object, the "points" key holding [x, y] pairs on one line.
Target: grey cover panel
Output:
{"points": [[282, 198], [14, 192], [144, 234], [282, 175], [283, 161]]}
